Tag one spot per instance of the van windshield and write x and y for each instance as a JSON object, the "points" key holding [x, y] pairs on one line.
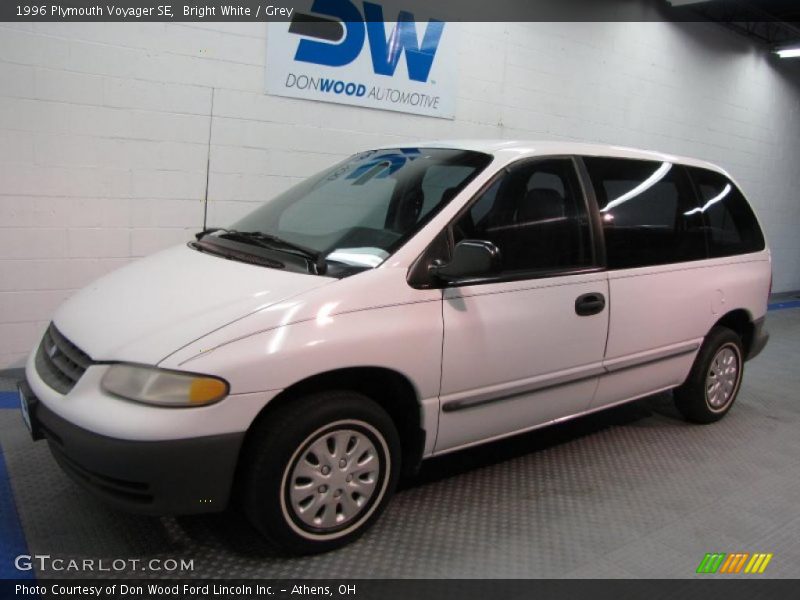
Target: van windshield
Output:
{"points": [[357, 213]]}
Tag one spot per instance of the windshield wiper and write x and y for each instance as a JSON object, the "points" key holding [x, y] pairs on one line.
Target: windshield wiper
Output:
{"points": [[201, 234], [272, 242]]}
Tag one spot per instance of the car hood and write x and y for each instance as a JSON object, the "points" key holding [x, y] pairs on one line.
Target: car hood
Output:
{"points": [[155, 306]]}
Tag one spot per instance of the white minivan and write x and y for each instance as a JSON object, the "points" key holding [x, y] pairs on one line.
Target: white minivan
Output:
{"points": [[405, 303]]}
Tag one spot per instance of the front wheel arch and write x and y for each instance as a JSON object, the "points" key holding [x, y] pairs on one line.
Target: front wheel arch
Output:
{"points": [[391, 390]]}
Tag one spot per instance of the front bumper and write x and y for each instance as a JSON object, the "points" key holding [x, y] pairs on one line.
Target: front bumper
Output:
{"points": [[165, 477]]}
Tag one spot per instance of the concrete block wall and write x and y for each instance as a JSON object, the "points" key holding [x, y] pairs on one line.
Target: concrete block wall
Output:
{"points": [[104, 131]]}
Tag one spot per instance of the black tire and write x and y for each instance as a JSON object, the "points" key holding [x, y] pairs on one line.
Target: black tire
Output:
{"points": [[692, 398], [281, 444]]}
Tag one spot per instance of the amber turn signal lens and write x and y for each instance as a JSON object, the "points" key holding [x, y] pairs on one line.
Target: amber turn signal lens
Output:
{"points": [[205, 390]]}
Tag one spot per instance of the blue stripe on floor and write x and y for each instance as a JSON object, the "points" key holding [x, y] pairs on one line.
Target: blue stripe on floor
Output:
{"points": [[782, 305], [12, 538], [9, 400]]}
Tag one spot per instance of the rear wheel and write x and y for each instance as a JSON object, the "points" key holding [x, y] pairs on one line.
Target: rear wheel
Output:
{"points": [[320, 470], [715, 378]]}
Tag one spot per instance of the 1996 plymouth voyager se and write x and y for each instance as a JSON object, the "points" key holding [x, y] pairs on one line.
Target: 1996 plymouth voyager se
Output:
{"points": [[405, 303]]}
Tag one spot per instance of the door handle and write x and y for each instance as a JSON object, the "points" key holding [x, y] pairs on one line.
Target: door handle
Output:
{"points": [[590, 304]]}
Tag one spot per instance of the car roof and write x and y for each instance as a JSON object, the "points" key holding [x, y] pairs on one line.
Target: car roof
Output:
{"points": [[524, 148]]}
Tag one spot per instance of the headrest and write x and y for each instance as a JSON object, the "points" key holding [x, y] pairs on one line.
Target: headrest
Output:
{"points": [[540, 204]]}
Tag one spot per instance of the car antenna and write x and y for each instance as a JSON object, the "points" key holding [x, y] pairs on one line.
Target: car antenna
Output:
{"points": [[208, 162]]}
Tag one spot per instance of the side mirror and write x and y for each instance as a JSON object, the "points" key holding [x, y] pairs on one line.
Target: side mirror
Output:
{"points": [[471, 258]]}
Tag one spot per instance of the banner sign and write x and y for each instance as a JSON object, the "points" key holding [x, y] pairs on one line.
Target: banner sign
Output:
{"points": [[398, 589], [352, 52], [475, 11]]}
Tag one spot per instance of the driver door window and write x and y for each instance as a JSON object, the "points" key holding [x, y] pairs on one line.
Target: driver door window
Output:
{"points": [[536, 215]]}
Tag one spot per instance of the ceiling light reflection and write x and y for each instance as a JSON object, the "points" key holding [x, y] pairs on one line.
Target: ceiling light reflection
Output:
{"points": [[657, 176], [725, 191]]}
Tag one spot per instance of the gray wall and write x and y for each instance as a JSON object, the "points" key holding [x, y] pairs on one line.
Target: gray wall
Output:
{"points": [[103, 131]]}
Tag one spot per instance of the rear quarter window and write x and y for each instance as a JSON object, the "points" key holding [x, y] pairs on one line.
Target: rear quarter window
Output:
{"points": [[731, 224]]}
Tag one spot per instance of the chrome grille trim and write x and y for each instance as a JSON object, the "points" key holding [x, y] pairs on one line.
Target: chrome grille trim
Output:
{"points": [[59, 362]]}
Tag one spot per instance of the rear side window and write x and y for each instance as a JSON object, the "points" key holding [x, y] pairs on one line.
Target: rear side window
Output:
{"points": [[732, 226], [649, 212]]}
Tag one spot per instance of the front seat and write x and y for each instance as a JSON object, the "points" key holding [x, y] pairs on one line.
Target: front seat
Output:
{"points": [[541, 239]]}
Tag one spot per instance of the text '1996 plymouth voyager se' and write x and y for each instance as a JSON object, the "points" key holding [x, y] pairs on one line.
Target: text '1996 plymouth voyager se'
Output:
{"points": [[405, 303]]}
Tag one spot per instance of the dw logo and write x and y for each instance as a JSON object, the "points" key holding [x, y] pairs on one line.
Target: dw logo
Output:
{"points": [[340, 38]]}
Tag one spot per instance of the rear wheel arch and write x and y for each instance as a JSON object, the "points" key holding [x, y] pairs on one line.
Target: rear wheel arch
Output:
{"points": [[391, 390], [740, 321]]}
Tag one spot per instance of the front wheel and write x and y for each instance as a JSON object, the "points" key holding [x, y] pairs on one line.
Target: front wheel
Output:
{"points": [[320, 470], [715, 378]]}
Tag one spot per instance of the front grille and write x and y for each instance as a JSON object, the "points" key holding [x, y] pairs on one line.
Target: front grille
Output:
{"points": [[59, 362]]}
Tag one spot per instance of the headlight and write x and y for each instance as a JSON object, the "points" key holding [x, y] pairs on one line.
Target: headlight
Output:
{"points": [[162, 387]]}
